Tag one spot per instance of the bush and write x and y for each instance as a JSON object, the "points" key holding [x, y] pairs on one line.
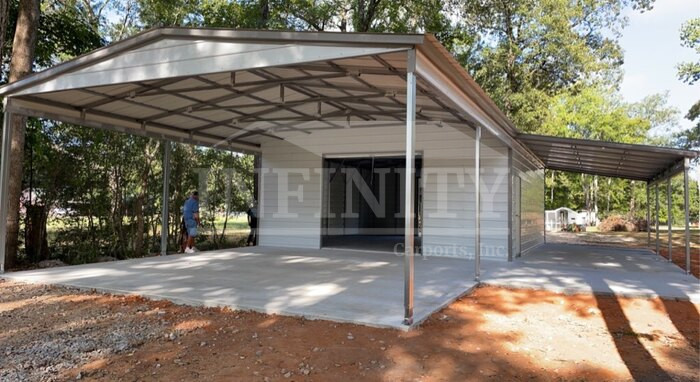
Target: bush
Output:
{"points": [[618, 223]]}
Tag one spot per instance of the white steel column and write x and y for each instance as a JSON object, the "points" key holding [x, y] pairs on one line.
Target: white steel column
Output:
{"points": [[477, 199], [4, 179], [669, 220], [686, 207], [410, 186], [656, 218], [648, 218], [166, 198]]}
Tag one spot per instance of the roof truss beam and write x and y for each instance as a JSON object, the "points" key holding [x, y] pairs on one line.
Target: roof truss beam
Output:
{"points": [[144, 127], [586, 153], [309, 93], [599, 173], [296, 103], [606, 169], [594, 163], [225, 123], [300, 79]]}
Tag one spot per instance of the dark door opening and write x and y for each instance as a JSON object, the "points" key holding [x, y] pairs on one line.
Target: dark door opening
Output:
{"points": [[364, 204]]}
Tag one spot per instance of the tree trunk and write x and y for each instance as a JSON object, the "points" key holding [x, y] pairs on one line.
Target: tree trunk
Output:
{"points": [[551, 196], [586, 192], [140, 226], [264, 14], [20, 65], [4, 21], [365, 13], [37, 247], [607, 196], [633, 202], [595, 196]]}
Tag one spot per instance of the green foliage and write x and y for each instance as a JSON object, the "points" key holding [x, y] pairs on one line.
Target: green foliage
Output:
{"points": [[689, 72]]}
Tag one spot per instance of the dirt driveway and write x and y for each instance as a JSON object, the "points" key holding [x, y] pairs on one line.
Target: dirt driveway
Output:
{"points": [[55, 333]]}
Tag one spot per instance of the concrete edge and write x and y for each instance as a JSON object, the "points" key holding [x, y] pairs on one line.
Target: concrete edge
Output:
{"points": [[449, 301], [244, 308]]}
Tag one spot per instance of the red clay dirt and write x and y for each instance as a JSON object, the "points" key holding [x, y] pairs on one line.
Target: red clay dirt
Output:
{"points": [[493, 334]]}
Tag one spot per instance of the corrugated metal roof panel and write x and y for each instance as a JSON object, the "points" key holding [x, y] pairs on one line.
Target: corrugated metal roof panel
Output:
{"points": [[611, 159]]}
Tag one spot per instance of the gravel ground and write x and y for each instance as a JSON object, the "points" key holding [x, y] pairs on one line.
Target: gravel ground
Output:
{"points": [[47, 330]]}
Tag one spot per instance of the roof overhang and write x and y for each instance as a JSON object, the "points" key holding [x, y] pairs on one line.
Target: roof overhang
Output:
{"points": [[232, 89], [618, 160]]}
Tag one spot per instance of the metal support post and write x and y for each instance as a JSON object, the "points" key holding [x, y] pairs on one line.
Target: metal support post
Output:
{"points": [[165, 200], [4, 182], [669, 220], [410, 186], [477, 199], [656, 218], [648, 218], [686, 207]]}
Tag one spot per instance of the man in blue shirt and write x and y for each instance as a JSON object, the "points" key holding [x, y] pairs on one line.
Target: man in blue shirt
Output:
{"points": [[190, 213], [253, 223]]}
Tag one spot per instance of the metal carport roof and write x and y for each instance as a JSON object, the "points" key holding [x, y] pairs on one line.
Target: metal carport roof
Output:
{"points": [[619, 160], [233, 88]]}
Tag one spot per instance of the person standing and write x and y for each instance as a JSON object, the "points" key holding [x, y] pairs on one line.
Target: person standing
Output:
{"points": [[253, 224], [190, 213]]}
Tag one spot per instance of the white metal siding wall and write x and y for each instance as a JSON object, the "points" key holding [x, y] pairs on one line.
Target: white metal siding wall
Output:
{"points": [[290, 221], [452, 234], [532, 203], [448, 227]]}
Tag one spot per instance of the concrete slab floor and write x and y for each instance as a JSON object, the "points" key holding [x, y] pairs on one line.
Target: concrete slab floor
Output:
{"points": [[367, 287], [574, 268], [339, 285]]}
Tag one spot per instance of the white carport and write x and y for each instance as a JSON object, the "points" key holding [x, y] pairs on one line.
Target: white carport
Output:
{"points": [[228, 89]]}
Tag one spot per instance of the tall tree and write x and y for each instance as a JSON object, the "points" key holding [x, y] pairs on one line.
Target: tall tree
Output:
{"points": [[689, 72], [23, 48], [530, 50]]}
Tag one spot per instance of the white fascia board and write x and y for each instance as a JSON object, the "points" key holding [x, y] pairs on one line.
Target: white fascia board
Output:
{"points": [[169, 58]]}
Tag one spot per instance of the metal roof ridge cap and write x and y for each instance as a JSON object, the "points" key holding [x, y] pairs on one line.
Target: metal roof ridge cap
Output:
{"points": [[298, 36]]}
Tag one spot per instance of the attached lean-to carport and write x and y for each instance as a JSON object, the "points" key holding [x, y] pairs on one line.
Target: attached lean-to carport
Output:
{"points": [[230, 89], [651, 164]]}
